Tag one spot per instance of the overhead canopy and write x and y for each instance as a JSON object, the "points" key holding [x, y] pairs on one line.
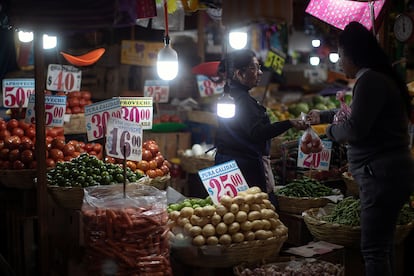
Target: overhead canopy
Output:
{"points": [[65, 15]]}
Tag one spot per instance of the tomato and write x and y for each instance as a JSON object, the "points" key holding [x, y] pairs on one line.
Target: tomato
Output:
{"points": [[152, 164], [167, 163], [1, 144], [6, 165], [68, 110], [26, 143], [30, 132], [50, 163], [23, 125], [56, 154], [68, 150], [143, 165], [97, 147], [52, 132], [154, 149], [33, 165], [159, 159], [132, 165], [88, 147], [74, 94], [12, 142], [82, 102], [4, 153], [12, 123], [151, 173], [14, 155], [3, 124], [165, 169], [76, 110], [146, 155], [73, 102], [57, 144], [27, 156], [86, 95], [109, 159], [147, 143], [4, 134], [159, 172], [18, 165]]}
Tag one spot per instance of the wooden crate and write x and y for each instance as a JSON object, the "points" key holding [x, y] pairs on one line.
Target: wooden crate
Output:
{"points": [[298, 233], [169, 142]]}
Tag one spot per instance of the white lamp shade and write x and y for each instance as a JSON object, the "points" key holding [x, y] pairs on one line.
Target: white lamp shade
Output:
{"points": [[334, 57], [49, 42], [25, 37], [225, 106], [238, 40], [314, 60], [167, 63]]}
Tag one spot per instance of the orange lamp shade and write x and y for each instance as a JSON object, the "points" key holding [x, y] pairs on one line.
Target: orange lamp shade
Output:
{"points": [[85, 59]]}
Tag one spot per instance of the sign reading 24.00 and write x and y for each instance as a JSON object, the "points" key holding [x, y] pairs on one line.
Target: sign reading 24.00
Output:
{"points": [[223, 179]]}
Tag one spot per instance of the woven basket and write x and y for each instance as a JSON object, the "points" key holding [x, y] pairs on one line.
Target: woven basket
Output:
{"points": [[160, 182], [192, 164], [228, 256], [23, 179], [345, 235], [352, 187], [296, 205], [67, 197]]}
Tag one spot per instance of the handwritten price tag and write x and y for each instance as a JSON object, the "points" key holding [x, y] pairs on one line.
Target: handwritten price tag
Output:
{"points": [[97, 116], [319, 161], [63, 78], [159, 90], [55, 107], [275, 61], [138, 110], [16, 92], [124, 138], [207, 87], [223, 179]]}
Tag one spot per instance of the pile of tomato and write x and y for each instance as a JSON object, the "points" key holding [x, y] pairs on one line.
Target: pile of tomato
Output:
{"points": [[153, 163], [76, 101], [17, 146]]}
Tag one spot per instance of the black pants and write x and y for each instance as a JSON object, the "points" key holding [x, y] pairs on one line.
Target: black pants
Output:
{"points": [[385, 185]]}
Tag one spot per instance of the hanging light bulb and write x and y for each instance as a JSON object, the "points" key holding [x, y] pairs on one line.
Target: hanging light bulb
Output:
{"points": [[25, 37], [334, 57], [167, 58], [49, 42], [238, 39], [225, 106]]}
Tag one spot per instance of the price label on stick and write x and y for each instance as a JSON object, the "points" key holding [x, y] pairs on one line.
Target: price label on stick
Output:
{"points": [[124, 139], [55, 107], [63, 78], [319, 161], [159, 90], [223, 179], [97, 116], [16, 92], [138, 110], [207, 87]]}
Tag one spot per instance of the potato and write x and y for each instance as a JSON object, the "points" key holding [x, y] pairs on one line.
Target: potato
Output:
{"points": [[221, 210], [257, 225], [174, 215], [212, 240], [254, 215], [195, 231], [238, 200], [186, 212], [221, 228], [257, 198], [187, 227], [198, 211], [209, 230], [234, 208], [233, 228], [208, 210], [228, 218], [194, 219], [182, 221], [266, 224], [264, 195], [246, 226], [253, 190], [199, 240], [249, 199], [249, 236], [274, 223], [267, 213], [244, 207], [262, 234], [226, 200], [215, 219], [241, 216], [237, 237], [225, 239], [255, 207]]}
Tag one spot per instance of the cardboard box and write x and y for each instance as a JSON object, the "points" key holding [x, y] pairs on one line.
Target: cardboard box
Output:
{"points": [[169, 143]]}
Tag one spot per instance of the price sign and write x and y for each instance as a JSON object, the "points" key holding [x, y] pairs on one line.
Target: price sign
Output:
{"points": [[159, 90], [207, 87], [319, 161], [223, 179], [124, 139], [55, 107], [63, 78], [275, 61], [16, 92], [138, 110], [97, 116]]}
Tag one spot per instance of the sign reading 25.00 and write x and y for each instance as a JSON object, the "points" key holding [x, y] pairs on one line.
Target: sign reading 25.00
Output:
{"points": [[223, 179]]}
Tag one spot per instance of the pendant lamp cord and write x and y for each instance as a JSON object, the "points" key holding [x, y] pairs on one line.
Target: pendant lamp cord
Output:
{"points": [[167, 37]]}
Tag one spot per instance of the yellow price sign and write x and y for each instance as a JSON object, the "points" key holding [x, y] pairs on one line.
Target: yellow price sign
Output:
{"points": [[275, 61]]}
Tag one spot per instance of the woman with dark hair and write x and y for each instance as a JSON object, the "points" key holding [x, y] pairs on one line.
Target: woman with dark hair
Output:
{"points": [[246, 137], [378, 143]]}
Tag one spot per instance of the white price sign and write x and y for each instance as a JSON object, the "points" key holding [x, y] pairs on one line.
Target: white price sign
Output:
{"points": [[63, 78], [124, 140], [138, 110], [207, 87], [319, 161], [16, 92], [55, 107], [159, 90], [223, 179], [97, 116]]}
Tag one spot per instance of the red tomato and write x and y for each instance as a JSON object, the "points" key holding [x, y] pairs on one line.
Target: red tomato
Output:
{"points": [[13, 142], [159, 159], [165, 169], [57, 144], [3, 124], [14, 155], [146, 155], [132, 165], [152, 164], [76, 110], [33, 164], [68, 110], [30, 132], [52, 132], [50, 163], [88, 147], [86, 95], [4, 153], [1, 144], [167, 163], [12, 123], [151, 173], [159, 172], [68, 150], [4, 134], [18, 165], [109, 159], [73, 102], [153, 148], [56, 154], [97, 147], [26, 143], [27, 156], [23, 125], [143, 165]]}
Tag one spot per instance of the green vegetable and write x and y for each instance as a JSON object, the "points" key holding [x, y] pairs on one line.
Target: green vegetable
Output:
{"points": [[305, 187]]}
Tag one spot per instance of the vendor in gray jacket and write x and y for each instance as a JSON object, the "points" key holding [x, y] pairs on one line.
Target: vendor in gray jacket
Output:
{"points": [[377, 135]]}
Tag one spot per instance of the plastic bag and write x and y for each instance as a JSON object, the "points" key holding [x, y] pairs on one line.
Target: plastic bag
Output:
{"points": [[310, 142], [344, 112]]}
